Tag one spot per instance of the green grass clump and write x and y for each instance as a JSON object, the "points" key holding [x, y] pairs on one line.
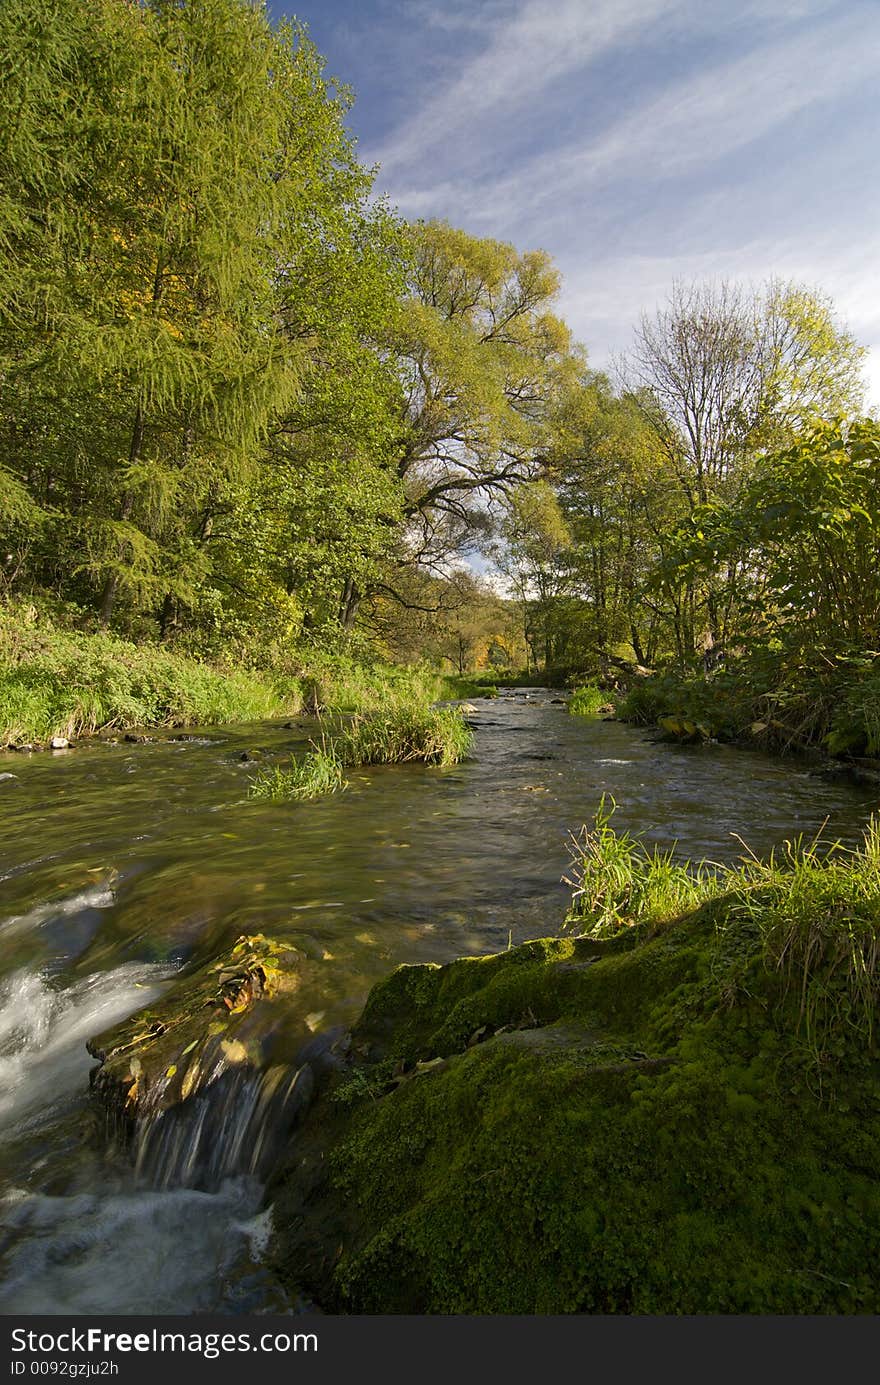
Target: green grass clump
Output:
{"points": [[617, 881], [434, 735], [397, 735], [321, 771], [588, 701]]}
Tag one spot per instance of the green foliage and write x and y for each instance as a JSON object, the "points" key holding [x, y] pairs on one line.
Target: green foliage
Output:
{"points": [[401, 732], [616, 881], [482, 363], [188, 259], [434, 735], [812, 909], [53, 682], [588, 701]]}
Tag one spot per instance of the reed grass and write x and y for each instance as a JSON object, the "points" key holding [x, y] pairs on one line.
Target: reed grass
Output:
{"points": [[589, 701], [396, 735]]}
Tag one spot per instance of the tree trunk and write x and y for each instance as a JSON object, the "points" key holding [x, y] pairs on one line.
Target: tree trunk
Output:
{"points": [[348, 604], [167, 616]]}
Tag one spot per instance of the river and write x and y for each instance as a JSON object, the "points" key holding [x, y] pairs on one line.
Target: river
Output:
{"points": [[120, 862]]}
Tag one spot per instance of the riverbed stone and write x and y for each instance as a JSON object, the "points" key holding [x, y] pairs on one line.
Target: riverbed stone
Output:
{"points": [[583, 1126]]}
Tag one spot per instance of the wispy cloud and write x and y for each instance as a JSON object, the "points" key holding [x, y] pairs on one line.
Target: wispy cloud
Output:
{"points": [[672, 171], [694, 123], [525, 52]]}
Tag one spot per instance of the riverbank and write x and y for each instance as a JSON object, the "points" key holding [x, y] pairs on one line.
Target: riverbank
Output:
{"points": [[57, 682], [676, 1118], [125, 863], [829, 713]]}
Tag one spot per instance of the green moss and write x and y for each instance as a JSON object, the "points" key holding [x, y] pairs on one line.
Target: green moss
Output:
{"points": [[626, 1126]]}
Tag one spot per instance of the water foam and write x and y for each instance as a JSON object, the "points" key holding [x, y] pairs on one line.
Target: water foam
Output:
{"points": [[94, 897], [135, 1252], [44, 1028]]}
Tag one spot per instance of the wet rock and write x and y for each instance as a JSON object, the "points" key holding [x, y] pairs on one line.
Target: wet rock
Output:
{"points": [[59, 743], [218, 1017], [7, 776]]}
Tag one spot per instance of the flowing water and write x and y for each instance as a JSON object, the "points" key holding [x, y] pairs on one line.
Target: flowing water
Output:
{"points": [[120, 862]]}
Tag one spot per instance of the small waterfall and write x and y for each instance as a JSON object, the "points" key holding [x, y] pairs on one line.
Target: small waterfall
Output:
{"points": [[237, 1125], [43, 1031]]}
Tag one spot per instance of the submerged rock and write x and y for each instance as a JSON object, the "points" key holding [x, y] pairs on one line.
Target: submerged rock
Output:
{"points": [[207, 1023], [575, 1126]]}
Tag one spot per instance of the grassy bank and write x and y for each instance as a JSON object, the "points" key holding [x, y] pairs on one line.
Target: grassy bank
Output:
{"points": [[676, 1116], [833, 708], [59, 681]]}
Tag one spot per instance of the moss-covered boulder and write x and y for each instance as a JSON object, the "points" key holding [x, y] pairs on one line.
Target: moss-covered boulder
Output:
{"points": [[633, 1126]]}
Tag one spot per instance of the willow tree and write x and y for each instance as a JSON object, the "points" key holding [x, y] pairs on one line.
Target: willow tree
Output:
{"points": [[480, 359], [171, 170]]}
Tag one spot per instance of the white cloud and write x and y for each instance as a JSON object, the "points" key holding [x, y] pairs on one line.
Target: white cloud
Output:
{"points": [[603, 299]]}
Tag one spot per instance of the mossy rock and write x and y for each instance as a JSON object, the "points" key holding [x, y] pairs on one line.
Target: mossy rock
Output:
{"points": [[583, 1127], [212, 1019]]}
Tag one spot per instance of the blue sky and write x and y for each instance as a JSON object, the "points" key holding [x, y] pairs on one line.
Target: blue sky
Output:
{"points": [[635, 140]]}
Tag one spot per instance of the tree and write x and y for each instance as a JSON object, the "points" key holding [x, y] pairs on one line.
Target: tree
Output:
{"points": [[724, 375], [181, 217], [482, 361], [534, 554]]}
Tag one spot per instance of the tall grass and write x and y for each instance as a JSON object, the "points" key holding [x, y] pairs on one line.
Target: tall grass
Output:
{"points": [[616, 880], [810, 913], [55, 680], [71, 685], [396, 735], [337, 684], [320, 771], [589, 701]]}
